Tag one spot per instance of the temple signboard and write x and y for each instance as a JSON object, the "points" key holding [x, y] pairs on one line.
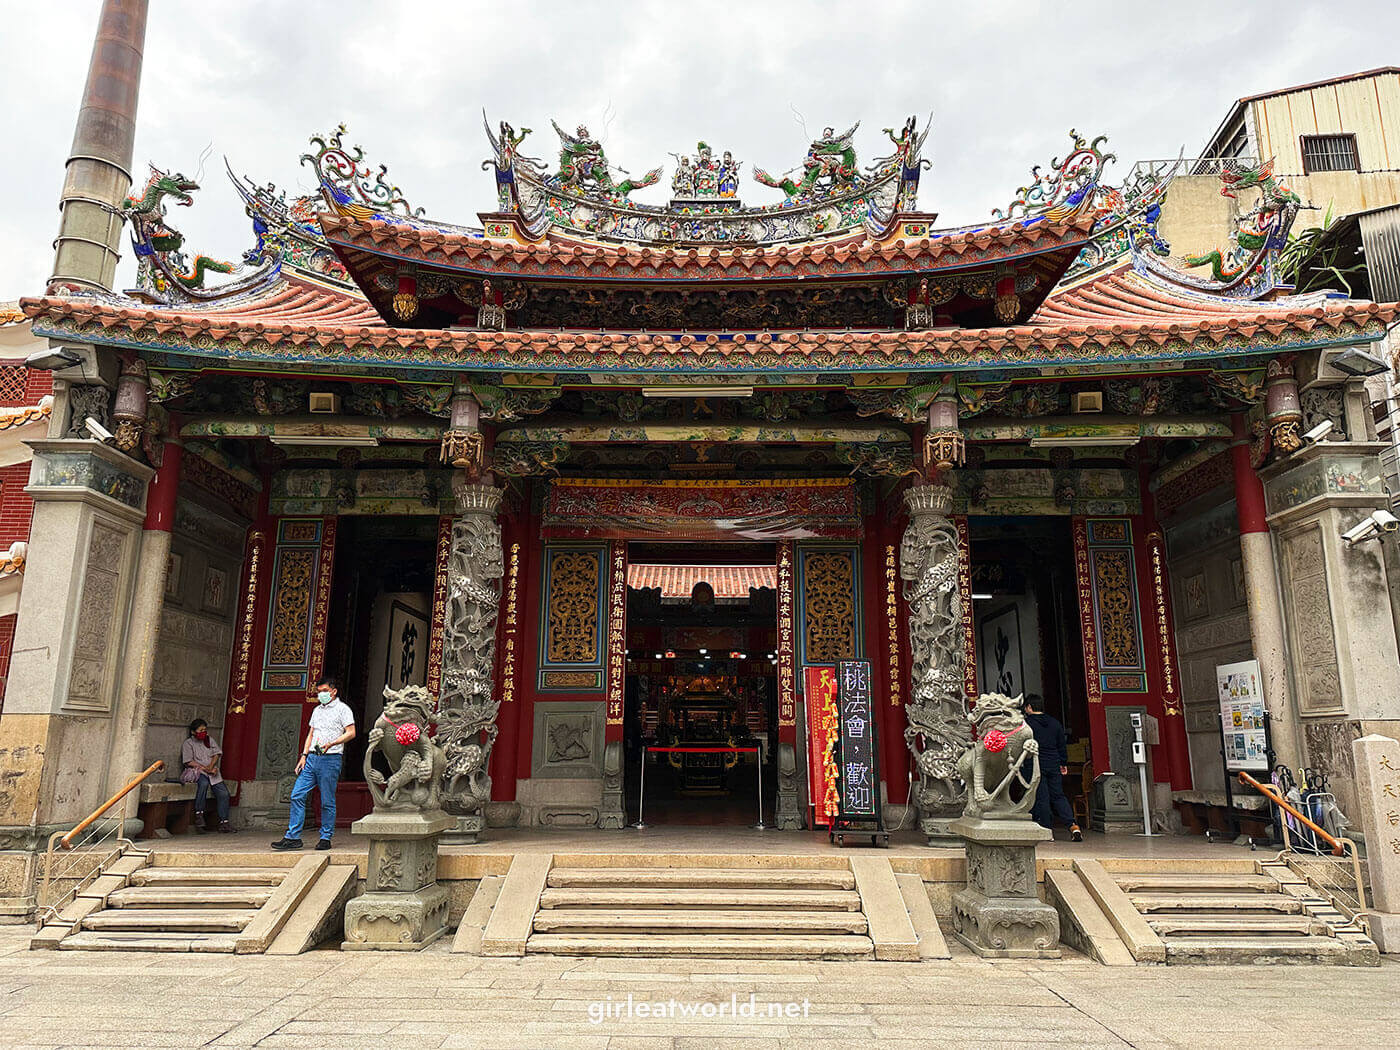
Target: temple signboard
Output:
{"points": [[819, 690], [1242, 716], [859, 772]]}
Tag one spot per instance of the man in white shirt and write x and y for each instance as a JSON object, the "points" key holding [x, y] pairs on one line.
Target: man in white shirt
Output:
{"points": [[332, 725]]}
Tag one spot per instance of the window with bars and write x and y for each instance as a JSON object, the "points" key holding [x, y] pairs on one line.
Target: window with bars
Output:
{"points": [[13, 381], [1329, 153]]}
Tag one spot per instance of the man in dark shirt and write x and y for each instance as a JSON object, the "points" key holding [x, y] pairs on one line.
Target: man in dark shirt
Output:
{"points": [[1050, 801]]}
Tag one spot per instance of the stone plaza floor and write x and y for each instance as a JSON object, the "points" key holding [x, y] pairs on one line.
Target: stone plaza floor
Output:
{"points": [[350, 1001]]}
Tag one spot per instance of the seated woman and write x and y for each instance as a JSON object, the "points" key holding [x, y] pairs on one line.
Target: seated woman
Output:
{"points": [[199, 759]]}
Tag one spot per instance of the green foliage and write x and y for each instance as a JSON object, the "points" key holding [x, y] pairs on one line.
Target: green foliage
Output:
{"points": [[1306, 250]]}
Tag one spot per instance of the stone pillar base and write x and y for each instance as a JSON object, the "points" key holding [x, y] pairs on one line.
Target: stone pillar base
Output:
{"points": [[938, 832], [465, 829], [404, 908], [998, 914], [1384, 927]]}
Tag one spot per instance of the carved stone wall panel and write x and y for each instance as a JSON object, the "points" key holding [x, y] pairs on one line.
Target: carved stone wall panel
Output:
{"points": [[97, 632], [1309, 614], [279, 733], [568, 739]]}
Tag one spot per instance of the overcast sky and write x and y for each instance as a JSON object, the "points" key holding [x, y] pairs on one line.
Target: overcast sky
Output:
{"points": [[251, 79]]}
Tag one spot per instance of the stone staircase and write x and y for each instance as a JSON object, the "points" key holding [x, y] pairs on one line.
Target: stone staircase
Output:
{"points": [[137, 906], [1202, 914], [730, 907]]}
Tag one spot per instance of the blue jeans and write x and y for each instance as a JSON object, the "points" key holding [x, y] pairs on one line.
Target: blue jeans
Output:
{"points": [[321, 772], [1050, 801], [201, 792]]}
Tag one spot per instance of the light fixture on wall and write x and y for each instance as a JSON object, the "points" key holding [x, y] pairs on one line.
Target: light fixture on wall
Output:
{"points": [[1356, 362], [53, 359]]}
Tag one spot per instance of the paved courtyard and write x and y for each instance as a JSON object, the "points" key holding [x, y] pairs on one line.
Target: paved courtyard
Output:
{"points": [[435, 999]]}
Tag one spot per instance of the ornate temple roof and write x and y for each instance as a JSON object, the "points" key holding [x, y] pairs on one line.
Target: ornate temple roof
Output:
{"points": [[1120, 315], [679, 581], [889, 293]]}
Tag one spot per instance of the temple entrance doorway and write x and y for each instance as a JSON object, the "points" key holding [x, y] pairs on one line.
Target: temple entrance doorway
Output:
{"points": [[1026, 626], [377, 629], [701, 701]]}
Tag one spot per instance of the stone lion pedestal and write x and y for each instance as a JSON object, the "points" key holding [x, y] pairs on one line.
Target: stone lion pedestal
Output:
{"points": [[998, 914], [403, 908]]}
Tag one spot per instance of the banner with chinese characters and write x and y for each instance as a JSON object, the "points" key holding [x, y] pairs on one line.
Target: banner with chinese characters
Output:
{"points": [[819, 691], [787, 641], [617, 633], [859, 772], [969, 635], [439, 626]]}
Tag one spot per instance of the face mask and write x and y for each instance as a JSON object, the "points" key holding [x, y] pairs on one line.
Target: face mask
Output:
{"points": [[201, 734], [324, 697]]}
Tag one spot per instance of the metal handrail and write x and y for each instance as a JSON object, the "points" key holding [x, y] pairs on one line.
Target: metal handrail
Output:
{"points": [[66, 841], [1344, 848], [155, 767]]}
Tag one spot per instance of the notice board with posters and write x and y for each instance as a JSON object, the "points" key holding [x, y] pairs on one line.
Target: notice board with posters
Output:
{"points": [[1243, 720], [858, 771]]}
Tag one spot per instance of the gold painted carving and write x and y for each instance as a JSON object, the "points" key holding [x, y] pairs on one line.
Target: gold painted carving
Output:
{"points": [[291, 607], [573, 607], [829, 609], [1113, 582]]}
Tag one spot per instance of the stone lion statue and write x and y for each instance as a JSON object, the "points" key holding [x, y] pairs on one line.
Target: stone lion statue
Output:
{"points": [[1005, 755], [416, 762]]}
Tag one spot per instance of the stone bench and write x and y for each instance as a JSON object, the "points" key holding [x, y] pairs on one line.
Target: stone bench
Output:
{"points": [[168, 805]]}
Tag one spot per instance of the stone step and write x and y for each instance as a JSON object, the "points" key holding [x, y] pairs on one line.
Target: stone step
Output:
{"points": [[118, 941], [1241, 925], [738, 946], [774, 921], [1216, 902], [170, 920], [190, 897], [208, 877], [809, 878], [657, 897], [1196, 883], [1227, 950]]}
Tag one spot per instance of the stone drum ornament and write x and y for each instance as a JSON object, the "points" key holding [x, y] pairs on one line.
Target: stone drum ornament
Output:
{"points": [[998, 914]]}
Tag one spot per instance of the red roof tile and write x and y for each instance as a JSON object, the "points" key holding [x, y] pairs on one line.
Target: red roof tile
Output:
{"points": [[557, 255], [1116, 312], [678, 581]]}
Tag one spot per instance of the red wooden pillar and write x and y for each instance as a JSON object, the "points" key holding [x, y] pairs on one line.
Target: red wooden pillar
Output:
{"points": [[1249, 490], [1098, 722], [163, 489], [1160, 634], [240, 740]]}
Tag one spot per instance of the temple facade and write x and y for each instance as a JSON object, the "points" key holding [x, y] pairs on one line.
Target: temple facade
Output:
{"points": [[617, 481]]}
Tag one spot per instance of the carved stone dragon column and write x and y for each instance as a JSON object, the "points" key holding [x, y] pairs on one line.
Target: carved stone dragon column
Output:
{"points": [[937, 733], [466, 707]]}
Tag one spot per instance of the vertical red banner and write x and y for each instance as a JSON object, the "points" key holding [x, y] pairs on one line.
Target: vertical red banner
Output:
{"points": [[892, 622], [247, 619], [1087, 630], [965, 600], [617, 633], [321, 613], [787, 646], [819, 694], [510, 631], [442, 553]]}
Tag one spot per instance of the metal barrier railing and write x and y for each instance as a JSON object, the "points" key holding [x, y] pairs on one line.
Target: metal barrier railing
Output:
{"points": [[94, 843], [1328, 875]]}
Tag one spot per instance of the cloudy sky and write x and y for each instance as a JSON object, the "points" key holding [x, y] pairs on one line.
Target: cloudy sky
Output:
{"points": [[1005, 81]]}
